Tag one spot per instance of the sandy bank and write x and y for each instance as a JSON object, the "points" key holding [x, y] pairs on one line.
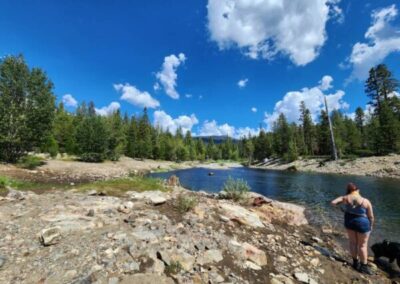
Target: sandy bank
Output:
{"points": [[386, 166]]}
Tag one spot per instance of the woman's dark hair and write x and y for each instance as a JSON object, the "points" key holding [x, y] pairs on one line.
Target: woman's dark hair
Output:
{"points": [[351, 187]]}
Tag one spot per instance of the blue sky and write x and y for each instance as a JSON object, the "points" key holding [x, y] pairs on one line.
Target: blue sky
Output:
{"points": [[129, 54]]}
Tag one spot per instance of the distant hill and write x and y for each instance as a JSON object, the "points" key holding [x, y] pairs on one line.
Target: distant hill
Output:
{"points": [[217, 139]]}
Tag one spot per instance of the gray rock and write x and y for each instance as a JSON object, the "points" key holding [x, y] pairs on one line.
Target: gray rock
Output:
{"points": [[2, 261], [92, 192], [210, 256], [281, 279], [131, 267], [90, 213], [304, 278], [146, 278], [50, 236], [252, 265], [15, 195]]}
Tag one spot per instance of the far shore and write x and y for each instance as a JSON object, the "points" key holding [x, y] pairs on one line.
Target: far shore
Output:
{"points": [[384, 166], [67, 171]]}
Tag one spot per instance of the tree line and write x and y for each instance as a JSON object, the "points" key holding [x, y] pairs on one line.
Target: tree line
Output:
{"points": [[30, 121], [376, 132]]}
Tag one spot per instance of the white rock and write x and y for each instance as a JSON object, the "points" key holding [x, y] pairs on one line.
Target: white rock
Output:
{"points": [[252, 265], [241, 215], [50, 236]]}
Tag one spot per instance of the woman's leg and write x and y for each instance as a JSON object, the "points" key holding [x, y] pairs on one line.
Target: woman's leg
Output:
{"points": [[363, 247], [353, 245]]}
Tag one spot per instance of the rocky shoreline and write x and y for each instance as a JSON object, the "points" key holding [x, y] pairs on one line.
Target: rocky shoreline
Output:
{"points": [[383, 167], [75, 237]]}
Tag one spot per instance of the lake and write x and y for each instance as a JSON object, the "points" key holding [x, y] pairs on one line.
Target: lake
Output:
{"points": [[313, 190]]}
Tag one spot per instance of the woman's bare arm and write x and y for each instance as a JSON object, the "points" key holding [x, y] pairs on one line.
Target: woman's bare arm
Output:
{"points": [[337, 201], [370, 213]]}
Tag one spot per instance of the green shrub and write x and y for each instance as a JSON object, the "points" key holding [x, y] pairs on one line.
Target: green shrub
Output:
{"points": [[91, 157], [186, 203], [173, 268], [3, 182], [30, 162], [235, 189], [50, 146], [113, 156]]}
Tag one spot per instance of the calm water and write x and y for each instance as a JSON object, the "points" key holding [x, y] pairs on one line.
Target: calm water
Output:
{"points": [[315, 191]]}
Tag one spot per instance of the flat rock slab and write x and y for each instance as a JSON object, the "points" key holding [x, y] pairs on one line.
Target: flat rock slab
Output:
{"points": [[146, 278], [240, 214], [153, 197]]}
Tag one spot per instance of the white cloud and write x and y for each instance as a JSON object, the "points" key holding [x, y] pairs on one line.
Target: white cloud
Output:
{"points": [[69, 101], [264, 28], [326, 83], [212, 128], [167, 76], [254, 109], [335, 11], [382, 39], [136, 97], [188, 96], [313, 99], [165, 121], [242, 83], [108, 110]]}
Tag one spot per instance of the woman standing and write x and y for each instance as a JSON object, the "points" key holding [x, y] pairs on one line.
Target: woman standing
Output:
{"points": [[358, 220]]}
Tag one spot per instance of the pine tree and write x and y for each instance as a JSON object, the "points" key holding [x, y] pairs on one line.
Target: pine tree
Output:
{"points": [[282, 135], [92, 137], [132, 139], [379, 85], [145, 148], [116, 139], [324, 141], [64, 130], [389, 130], [307, 129]]}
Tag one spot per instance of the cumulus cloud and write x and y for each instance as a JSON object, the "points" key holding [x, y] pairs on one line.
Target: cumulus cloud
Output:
{"points": [[242, 83], [108, 110], [265, 28], [212, 128], [254, 109], [382, 38], [167, 77], [313, 99], [166, 122], [69, 101], [136, 97], [326, 83]]}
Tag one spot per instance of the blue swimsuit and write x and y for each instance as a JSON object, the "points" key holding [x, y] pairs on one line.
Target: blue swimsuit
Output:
{"points": [[356, 219]]}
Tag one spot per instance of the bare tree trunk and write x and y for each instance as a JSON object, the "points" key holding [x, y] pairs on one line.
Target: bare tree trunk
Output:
{"points": [[334, 151]]}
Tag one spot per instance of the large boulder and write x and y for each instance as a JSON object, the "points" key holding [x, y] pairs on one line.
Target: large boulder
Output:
{"points": [[210, 256], [186, 260], [240, 214], [153, 197], [246, 251]]}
